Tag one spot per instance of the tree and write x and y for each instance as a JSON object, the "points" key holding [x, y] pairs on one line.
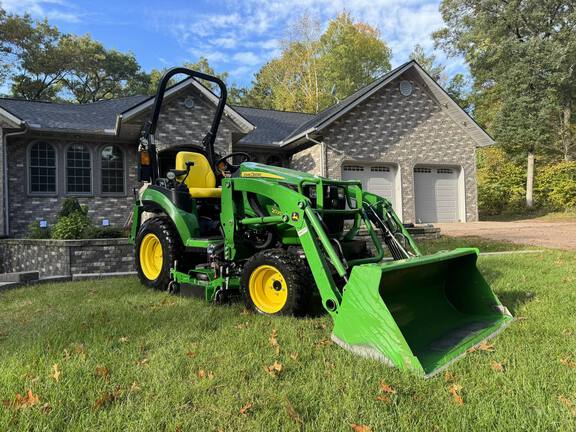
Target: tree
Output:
{"points": [[352, 55], [316, 69], [522, 56], [98, 73], [429, 64]]}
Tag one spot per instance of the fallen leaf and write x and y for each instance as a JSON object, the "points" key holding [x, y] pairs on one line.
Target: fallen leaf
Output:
{"points": [[20, 402], [245, 312], [107, 398], [497, 366], [66, 354], [454, 390], [521, 318], [483, 346], [142, 362], [102, 372], [46, 408], [241, 326], [324, 342], [203, 374], [292, 413], [383, 398], [123, 339], [134, 387], [568, 362], [386, 388], [274, 369], [294, 356], [360, 428], [274, 341], [568, 404], [191, 354], [245, 408], [449, 376], [79, 349], [55, 372], [567, 332]]}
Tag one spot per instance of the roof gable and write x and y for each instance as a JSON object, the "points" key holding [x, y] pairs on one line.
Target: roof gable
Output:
{"points": [[331, 114]]}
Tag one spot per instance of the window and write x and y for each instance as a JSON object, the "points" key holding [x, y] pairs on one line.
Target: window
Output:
{"points": [[112, 163], [78, 170], [380, 169], [353, 168], [423, 170], [444, 171], [42, 168], [274, 160]]}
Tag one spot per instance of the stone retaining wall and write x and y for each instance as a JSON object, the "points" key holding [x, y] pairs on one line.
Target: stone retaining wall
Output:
{"points": [[66, 257]]}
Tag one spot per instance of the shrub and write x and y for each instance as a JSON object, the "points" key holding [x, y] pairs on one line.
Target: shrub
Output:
{"points": [[556, 186], [74, 226], [501, 183], [107, 232], [71, 206], [33, 231]]}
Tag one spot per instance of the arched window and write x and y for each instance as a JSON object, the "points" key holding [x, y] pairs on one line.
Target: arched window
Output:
{"points": [[42, 168], [112, 164], [78, 170], [274, 160]]}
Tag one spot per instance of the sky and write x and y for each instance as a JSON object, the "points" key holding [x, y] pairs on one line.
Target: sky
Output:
{"points": [[235, 36]]}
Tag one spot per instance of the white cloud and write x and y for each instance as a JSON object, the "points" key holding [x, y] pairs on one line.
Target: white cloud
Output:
{"points": [[54, 10], [249, 33], [247, 58]]}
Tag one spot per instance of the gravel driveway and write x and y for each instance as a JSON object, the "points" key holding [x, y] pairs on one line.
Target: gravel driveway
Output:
{"points": [[559, 235]]}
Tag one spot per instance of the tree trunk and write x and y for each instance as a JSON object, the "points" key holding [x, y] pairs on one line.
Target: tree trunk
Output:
{"points": [[567, 133], [530, 179]]}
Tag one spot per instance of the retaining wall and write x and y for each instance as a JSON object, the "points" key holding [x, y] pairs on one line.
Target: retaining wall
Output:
{"points": [[66, 257]]}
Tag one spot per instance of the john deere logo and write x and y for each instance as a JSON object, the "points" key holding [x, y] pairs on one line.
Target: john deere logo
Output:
{"points": [[259, 174], [295, 216]]}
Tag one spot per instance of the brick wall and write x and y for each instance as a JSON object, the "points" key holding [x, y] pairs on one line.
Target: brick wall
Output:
{"points": [[66, 257], [179, 125], [406, 131], [2, 227], [26, 207], [308, 160]]}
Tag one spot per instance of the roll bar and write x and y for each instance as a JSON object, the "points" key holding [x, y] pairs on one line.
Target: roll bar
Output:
{"points": [[150, 126]]}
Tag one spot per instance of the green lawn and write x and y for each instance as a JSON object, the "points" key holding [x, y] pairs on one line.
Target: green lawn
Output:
{"points": [[131, 359]]}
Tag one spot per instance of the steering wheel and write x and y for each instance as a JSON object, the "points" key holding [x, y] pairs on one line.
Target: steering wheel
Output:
{"points": [[224, 166]]}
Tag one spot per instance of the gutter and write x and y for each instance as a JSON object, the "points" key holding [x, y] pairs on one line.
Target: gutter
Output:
{"points": [[5, 169], [323, 166]]}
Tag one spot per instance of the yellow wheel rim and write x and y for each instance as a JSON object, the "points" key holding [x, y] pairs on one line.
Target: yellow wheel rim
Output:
{"points": [[151, 256], [268, 289]]}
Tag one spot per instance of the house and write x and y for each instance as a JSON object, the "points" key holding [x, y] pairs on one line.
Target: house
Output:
{"points": [[401, 135]]}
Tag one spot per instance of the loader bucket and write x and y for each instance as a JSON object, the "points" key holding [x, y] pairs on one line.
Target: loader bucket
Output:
{"points": [[418, 314]]}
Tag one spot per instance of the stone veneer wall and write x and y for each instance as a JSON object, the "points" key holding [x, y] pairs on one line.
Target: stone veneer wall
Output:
{"points": [[308, 160], [66, 257], [404, 131], [25, 207]]}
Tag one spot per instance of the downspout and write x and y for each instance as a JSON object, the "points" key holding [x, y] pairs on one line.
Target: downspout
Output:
{"points": [[5, 169], [323, 167]]}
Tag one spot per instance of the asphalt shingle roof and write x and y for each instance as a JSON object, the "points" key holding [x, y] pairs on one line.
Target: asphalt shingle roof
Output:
{"points": [[90, 117], [271, 126]]}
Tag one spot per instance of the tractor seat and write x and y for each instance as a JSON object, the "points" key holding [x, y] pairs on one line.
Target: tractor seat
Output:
{"points": [[201, 180]]}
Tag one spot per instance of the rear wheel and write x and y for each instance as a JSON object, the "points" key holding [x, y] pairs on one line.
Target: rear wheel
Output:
{"points": [[157, 247], [276, 282]]}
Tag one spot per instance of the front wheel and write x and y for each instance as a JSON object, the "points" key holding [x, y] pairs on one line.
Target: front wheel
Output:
{"points": [[276, 282], [157, 247]]}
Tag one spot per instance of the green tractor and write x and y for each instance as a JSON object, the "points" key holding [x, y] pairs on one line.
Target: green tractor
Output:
{"points": [[287, 241]]}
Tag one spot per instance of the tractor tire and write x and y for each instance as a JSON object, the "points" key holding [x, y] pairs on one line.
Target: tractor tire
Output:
{"points": [[276, 282], [157, 247]]}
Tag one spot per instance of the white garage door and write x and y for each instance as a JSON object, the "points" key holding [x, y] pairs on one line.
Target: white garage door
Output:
{"points": [[436, 194], [378, 179]]}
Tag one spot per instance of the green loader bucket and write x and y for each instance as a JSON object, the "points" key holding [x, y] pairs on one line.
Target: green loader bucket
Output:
{"points": [[418, 314]]}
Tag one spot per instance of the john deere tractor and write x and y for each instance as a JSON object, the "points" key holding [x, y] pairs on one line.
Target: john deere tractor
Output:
{"points": [[220, 227]]}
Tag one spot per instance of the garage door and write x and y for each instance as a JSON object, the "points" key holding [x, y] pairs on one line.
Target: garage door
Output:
{"points": [[378, 179], [436, 194]]}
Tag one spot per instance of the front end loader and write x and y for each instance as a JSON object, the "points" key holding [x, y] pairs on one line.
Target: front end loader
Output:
{"points": [[283, 240]]}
